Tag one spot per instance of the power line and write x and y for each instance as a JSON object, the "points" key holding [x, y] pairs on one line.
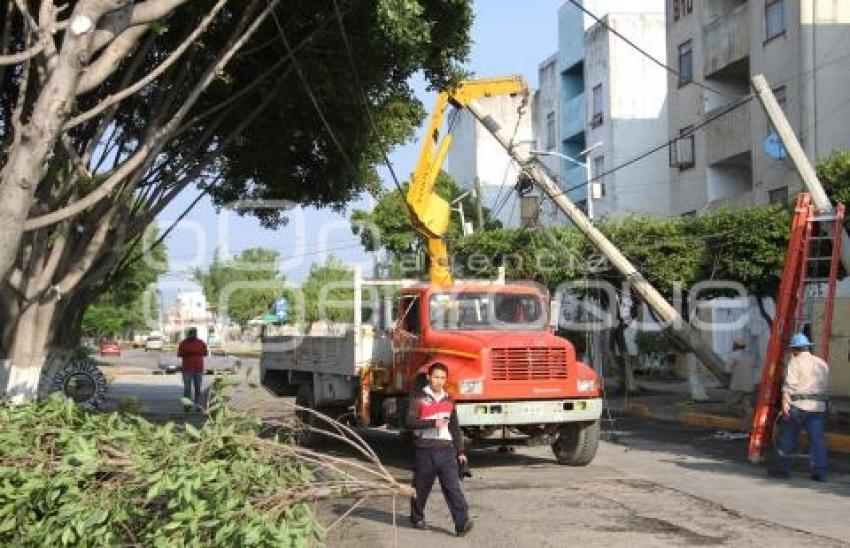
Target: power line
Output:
{"points": [[725, 110], [642, 51]]}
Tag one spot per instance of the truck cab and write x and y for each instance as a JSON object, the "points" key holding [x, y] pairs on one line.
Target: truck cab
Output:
{"points": [[507, 368]]}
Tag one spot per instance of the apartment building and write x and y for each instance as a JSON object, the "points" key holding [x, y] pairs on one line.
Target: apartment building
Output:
{"points": [[803, 49], [607, 101]]}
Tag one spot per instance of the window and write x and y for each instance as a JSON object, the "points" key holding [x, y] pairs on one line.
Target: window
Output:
{"points": [[550, 131], [682, 149], [682, 8], [487, 311], [774, 18], [778, 195], [686, 63], [598, 105], [410, 315], [598, 170]]}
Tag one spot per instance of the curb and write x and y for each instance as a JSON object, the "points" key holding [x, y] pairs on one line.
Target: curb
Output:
{"points": [[836, 442]]}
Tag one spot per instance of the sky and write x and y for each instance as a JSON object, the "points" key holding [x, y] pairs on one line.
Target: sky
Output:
{"points": [[509, 37]]}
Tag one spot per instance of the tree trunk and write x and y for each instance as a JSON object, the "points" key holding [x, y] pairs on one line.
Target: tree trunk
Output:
{"points": [[624, 360], [22, 367]]}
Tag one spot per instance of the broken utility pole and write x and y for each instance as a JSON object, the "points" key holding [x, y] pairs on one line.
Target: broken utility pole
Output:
{"points": [[671, 318]]}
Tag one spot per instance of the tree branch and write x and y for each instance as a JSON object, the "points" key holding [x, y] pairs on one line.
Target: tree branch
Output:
{"points": [[21, 56], [154, 144], [131, 15], [88, 257], [108, 61], [150, 77]]}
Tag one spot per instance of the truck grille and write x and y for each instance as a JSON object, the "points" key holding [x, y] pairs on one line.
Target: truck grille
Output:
{"points": [[529, 364]]}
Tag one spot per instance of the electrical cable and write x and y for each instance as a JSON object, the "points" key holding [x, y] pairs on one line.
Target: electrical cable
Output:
{"points": [[722, 112]]}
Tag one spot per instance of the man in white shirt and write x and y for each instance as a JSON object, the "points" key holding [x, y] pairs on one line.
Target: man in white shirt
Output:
{"points": [[741, 367], [804, 398]]}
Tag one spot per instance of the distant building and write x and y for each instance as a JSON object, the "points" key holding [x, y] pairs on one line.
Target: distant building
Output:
{"points": [[600, 93], [189, 310], [801, 47]]}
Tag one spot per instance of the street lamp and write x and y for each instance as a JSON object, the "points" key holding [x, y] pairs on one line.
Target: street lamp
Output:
{"points": [[465, 228], [585, 165]]}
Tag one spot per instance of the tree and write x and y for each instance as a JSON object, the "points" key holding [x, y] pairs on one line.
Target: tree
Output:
{"points": [[388, 225], [108, 113], [244, 287], [834, 174], [126, 300], [328, 292]]}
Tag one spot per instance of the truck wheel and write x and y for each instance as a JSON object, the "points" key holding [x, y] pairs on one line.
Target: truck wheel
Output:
{"points": [[576, 443], [304, 398]]}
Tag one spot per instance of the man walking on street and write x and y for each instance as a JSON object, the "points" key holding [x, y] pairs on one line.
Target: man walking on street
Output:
{"points": [[803, 407], [742, 369], [439, 450], [193, 351]]}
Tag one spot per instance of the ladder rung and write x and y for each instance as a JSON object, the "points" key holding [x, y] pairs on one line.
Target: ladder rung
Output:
{"points": [[822, 218], [821, 238], [819, 259], [815, 280]]}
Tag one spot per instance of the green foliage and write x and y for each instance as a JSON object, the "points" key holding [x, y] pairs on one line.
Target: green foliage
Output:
{"points": [[388, 225], [246, 286], [123, 296], [328, 292], [745, 246], [288, 152], [834, 175], [72, 478]]}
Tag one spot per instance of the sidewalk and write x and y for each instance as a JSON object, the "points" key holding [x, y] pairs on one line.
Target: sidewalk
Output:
{"points": [[670, 401]]}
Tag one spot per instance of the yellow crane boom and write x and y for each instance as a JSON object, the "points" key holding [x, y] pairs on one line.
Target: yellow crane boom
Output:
{"points": [[430, 213]]}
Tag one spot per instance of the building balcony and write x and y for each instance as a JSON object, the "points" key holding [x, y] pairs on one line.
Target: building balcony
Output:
{"points": [[574, 116], [727, 41], [728, 136]]}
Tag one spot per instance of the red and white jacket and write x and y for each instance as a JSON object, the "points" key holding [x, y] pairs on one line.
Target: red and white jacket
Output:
{"points": [[422, 414]]}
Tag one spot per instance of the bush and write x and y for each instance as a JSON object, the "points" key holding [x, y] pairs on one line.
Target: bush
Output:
{"points": [[72, 477]]}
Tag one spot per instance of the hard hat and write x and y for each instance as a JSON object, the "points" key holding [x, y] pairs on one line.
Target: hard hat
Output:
{"points": [[799, 340]]}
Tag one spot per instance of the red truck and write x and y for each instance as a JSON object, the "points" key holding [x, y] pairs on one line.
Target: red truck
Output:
{"points": [[507, 369]]}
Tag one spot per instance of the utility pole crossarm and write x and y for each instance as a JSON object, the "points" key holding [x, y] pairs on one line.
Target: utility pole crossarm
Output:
{"points": [[669, 315]]}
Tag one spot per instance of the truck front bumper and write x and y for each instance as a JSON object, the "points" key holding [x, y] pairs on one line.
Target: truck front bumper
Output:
{"points": [[528, 412]]}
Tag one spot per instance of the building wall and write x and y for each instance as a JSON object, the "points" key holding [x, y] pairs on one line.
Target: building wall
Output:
{"points": [[634, 114], [476, 154], [585, 52], [810, 60]]}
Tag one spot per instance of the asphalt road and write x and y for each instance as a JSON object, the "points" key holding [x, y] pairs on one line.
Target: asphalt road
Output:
{"points": [[652, 484]]}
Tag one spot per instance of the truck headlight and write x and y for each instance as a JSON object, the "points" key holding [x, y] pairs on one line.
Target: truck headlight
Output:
{"points": [[471, 387], [586, 385]]}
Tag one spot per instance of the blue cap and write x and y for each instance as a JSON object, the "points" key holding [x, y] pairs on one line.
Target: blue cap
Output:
{"points": [[799, 340]]}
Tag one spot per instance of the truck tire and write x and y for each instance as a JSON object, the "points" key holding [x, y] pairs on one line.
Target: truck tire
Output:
{"points": [[576, 443]]}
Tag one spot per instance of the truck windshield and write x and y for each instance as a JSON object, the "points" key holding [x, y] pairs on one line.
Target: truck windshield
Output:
{"points": [[486, 311]]}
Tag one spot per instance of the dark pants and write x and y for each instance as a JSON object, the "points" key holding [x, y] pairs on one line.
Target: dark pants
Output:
{"points": [[814, 424], [192, 385], [428, 465]]}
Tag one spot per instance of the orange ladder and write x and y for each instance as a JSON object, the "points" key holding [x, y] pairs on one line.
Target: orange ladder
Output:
{"points": [[809, 274]]}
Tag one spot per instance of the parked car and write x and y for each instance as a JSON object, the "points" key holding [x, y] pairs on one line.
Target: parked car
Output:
{"points": [[170, 365], [154, 342], [110, 348]]}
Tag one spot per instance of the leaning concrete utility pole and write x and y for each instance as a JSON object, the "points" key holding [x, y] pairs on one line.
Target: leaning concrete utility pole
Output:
{"points": [[668, 315], [795, 152]]}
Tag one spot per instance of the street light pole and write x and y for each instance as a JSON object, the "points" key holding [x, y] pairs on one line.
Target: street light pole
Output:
{"points": [[585, 165]]}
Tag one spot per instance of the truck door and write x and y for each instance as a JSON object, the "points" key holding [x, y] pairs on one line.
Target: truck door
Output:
{"points": [[407, 341]]}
